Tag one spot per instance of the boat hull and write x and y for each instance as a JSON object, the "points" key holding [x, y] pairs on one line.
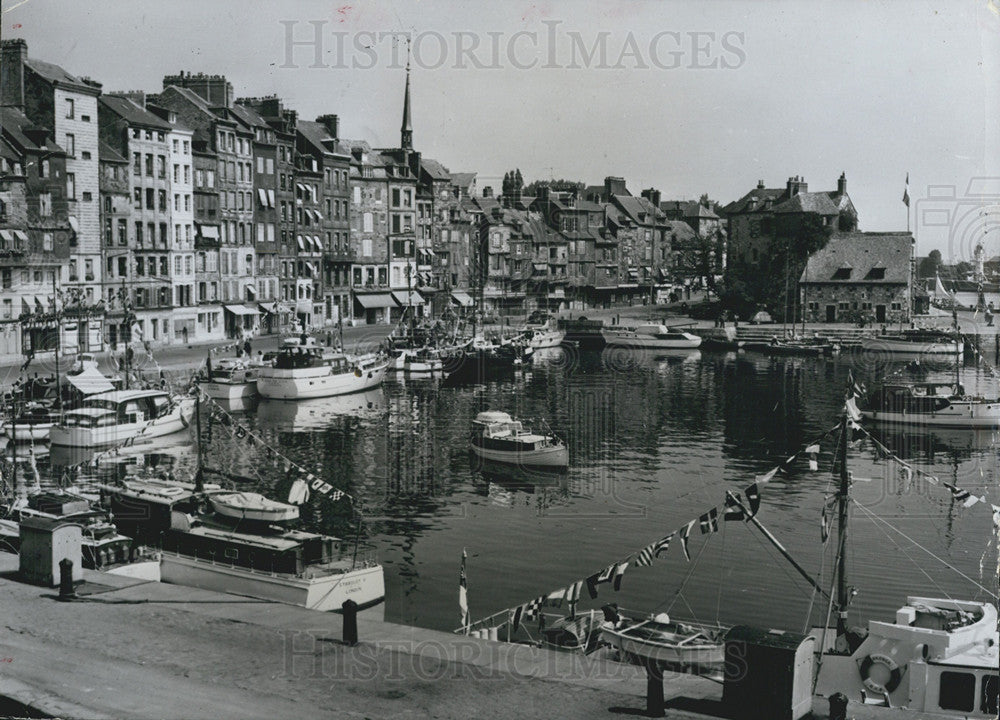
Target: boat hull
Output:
{"points": [[909, 347], [177, 420], [23, 432], [557, 456], [365, 586], [709, 657], [229, 391], [633, 340], [547, 340], [957, 415], [318, 382]]}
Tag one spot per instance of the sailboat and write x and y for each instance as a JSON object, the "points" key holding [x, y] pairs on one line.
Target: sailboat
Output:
{"points": [[938, 655]]}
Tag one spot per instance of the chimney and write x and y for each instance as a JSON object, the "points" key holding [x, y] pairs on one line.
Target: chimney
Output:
{"points": [[760, 184], [332, 125], [136, 96], [213, 89], [653, 195], [487, 191], [12, 56], [796, 185], [614, 186], [842, 184]]}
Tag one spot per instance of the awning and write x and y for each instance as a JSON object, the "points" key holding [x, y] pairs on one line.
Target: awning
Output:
{"points": [[302, 245], [462, 298], [379, 300], [312, 269], [210, 232], [268, 307], [262, 196], [270, 198], [414, 298], [7, 235], [240, 310], [90, 381], [300, 186], [318, 214], [318, 243], [633, 273], [541, 267], [74, 224], [21, 235], [664, 274], [252, 290]]}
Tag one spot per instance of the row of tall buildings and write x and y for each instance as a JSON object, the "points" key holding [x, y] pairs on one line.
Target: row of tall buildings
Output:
{"points": [[190, 215]]}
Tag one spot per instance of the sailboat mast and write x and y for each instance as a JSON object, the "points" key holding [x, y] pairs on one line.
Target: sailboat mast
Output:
{"points": [[842, 500], [55, 301]]}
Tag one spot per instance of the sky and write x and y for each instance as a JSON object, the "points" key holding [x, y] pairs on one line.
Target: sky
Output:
{"points": [[687, 96]]}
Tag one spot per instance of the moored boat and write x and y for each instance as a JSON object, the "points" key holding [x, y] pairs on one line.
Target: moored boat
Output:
{"points": [[307, 370], [682, 646], [651, 336], [497, 437], [229, 379], [931, 403], [114, 417], [253, 506], [915, 342]]}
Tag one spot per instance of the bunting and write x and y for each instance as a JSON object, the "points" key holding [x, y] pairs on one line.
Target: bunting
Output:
{"points": [[685, 531], [963, 496], [813, 452], [463, 593], [752, 493], [733, 510], [709, 522], [620, 569]]}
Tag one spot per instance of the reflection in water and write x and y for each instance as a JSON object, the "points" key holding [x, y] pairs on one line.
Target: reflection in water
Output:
{"points": [[316, 414]]}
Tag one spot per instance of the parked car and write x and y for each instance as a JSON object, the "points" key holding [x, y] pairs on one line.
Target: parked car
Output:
{"points": [[761, 317]]}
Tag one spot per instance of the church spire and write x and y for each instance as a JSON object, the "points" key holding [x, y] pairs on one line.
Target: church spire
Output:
{"points": [[406, 130]]}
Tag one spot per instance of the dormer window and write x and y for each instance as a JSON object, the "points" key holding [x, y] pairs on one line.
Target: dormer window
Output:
{"points": [[876, 273], [843, 272]]}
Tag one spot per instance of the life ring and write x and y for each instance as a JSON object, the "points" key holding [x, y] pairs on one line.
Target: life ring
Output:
{"points": [[889, 664]]}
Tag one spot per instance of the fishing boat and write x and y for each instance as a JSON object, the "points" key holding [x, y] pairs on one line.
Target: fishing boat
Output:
{"points": [[32, 423], [931, 403], [545, 337], [915, 342], [114, 417], [229, 379], [497, 437], [651, 336], [417, 361], [682, 646], [304, 369], [248, 548]]}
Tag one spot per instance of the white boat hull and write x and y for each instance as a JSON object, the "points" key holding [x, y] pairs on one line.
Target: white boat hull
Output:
{"points": [[365, 586], [545, 340], [229, 391], [959, 414], [633, 340], [410, 365], [176, 420], [24, 433], [317, 382], [557, 456], [905, 347], [694, 657]]}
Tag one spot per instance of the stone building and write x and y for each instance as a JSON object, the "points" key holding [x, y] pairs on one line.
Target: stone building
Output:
{"points": [[859, 277], [67, 106], [119, 265]]}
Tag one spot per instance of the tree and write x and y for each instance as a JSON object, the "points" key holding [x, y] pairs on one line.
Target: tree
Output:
{"points": [[930, 265], [560, 185]]}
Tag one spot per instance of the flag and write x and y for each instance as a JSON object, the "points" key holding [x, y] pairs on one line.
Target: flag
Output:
{"points": [[685, 531], [906, 191], [299, 492], [733, 511], [963, 496], [605, 576], [767, 477], [824, 529], [573, 595], [853, 413], [753, 497], [709, 522], [532, 609], [556, 597], [813, 451], [463, 592], [620, 569], [515, 618], [644, 558], [337, 494]]}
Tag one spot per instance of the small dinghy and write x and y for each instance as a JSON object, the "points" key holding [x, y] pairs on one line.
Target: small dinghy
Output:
{"points": [[253, 506]]}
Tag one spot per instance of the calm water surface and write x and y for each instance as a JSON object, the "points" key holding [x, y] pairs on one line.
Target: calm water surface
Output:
{"points": [[655, 440]]}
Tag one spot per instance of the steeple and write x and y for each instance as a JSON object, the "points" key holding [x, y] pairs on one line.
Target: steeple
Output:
{"points": [[406, 130]]}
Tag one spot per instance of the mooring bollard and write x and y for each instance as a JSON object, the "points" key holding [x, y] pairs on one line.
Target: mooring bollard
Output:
{"points": [[66, 580], [838, 706], [655, 706], [350, 610]]}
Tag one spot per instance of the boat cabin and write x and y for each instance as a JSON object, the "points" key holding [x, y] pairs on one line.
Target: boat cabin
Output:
{"points": [[499, 431], [915, 398], [123, 407]]}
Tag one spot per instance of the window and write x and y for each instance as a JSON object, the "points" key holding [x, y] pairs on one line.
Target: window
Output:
{"points": [[957, 691], [72, 270], [43, 169], [138, 233], [174, 144], [70, 145], [122, 266], [71, 186], [122, 232], [150, 199], [177, 171], [368, 224], [70, 108], [187, 174], [161, 166], [187, 147], [137, 197], [136, 164], [162, 200], [149, 163], [988, 696], [163, 234]]}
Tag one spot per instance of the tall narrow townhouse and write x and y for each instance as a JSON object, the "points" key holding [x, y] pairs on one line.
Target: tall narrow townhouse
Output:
{"points": [[369, 227], [283, 122], [132, 131], [34, 240], [206, 240], [119, 266], [320, 139], [67, 106], [232, 143], [265, 218], [188, 324], [308, 226]]}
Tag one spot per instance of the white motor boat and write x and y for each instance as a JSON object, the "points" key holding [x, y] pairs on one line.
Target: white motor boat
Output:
{"points": [[114, 417], [253, 506], [308, 370], [543, 338], [32, 424], [417, 361], [497, 437], [651, 336], [230, 379], [931, 404], [915, 342]]}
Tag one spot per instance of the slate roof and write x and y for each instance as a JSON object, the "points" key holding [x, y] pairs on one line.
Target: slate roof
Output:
{"points": [[688, 209], [134, 114], [807, 202], [638, 209], [434, 169], [14, 123], [741, 206], [55, 74], [106, 153], [315, 133], [861, 252], [249, 116], [463, 180]]}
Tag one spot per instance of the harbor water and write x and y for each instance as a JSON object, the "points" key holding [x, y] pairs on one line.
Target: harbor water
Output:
{"points": [[655, 438]]}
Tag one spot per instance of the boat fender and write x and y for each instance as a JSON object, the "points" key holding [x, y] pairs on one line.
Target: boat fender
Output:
{"points": [[357, 372], [894, 674]]}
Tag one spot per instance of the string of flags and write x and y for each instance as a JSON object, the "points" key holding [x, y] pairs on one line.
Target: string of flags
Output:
{"points": [[302, 486], [737, 506]]}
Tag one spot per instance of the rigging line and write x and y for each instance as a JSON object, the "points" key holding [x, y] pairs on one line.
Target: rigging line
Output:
{"points": [[829, 613], [921, 547], [718, 599], [687, 577], [812, 595]]}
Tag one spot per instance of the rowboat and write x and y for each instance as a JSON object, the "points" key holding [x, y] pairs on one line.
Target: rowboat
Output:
{"points": [[682, 646], [253, 506]]}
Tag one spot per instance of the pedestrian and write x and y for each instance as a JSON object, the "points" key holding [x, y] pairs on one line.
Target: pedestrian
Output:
{"points": [[247, 348], [184, 332], [329, 339]]}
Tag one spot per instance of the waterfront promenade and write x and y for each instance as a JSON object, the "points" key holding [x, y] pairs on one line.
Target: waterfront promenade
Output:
{"points": [[197, 654]]}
